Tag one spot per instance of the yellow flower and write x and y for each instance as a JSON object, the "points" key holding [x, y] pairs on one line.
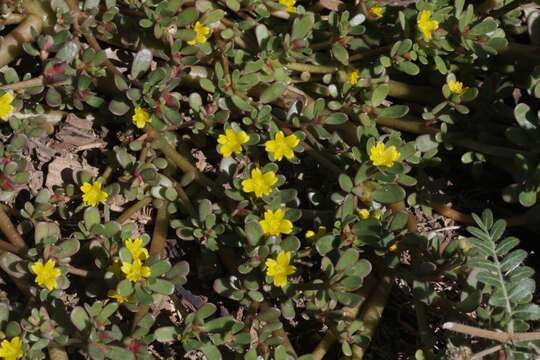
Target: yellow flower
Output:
{"points": [[376, 11], [383, 157], [279, 269], [314, 236], [376, 214], [289, 4], [116, 296], [5, 105], [274, 223], [426, 25], [260, 183], [92, 193], [201, 31], [46, 275], [456, 87], [353, 77], [11, 350], [231, 142], [136, 249], [282, 146], [363, 214], [141, 117], [393, 247], [135, 271]]}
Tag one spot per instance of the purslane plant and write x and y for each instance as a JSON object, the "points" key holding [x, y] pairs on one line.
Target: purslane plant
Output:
{"points": [[272, 156]]}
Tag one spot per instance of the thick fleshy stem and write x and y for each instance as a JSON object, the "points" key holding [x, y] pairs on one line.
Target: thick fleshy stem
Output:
{"points": [[231, 262], [11, 46], [12, 19], [179, 161], [128, 213], [10, 231], [425, 333], [373, 310], [349, 313], [372, 313], [157, 247]]}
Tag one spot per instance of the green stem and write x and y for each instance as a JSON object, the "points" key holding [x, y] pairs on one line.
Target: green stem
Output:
{"points": [[12, 19], [349, 313], [7, 227], [184, 200], [6, 246], [128, 213], [407, 123], [157, 247], [368, 54], [371, 315], [314, 69], [11, 46], [424, 331], [414, 93], [30, 83], [485, 148], [497, 13], [178, 160]]}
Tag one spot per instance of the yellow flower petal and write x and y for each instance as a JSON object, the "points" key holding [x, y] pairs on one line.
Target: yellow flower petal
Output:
{"points": [[274, 223], [231, 142], [11, 349], [201, 32], [353, 77], [136, 249], [382, 156], [426, 25], [46, 274], [289, 5], [260, 183], [92, 193], [5, 105], [282, 146], [141, 117], [280, 268], [456, 87], [135, 271]]}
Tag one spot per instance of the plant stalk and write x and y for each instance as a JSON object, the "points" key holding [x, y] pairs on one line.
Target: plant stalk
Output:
{"points": [[157, 247], [7, 227], [128, 213]]}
